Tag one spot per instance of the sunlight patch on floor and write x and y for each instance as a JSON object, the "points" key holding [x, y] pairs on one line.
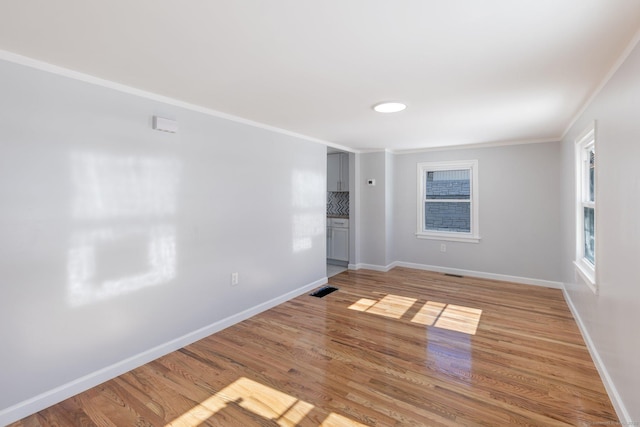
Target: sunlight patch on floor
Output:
{"points": [[459, 318], [432, 313], [261, 400], [429, 313], [393, 306], [363, 304]]}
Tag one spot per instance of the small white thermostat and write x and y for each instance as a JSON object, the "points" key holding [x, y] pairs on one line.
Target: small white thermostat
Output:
{"points": [[371, 181], [165, 125]]}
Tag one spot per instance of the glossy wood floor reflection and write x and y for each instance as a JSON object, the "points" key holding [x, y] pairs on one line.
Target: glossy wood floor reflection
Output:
{"points": [[403, 348]]}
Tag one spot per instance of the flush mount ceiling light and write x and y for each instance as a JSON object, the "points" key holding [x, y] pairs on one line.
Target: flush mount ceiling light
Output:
{"points": [[389, 107]]}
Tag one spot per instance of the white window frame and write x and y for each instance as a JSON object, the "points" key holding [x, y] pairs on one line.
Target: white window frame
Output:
{"points": [[473, 236], [585, 141]]}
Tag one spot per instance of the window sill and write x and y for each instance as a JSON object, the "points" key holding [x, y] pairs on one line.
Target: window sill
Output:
{"points": [[448, 237], [587, 274]]}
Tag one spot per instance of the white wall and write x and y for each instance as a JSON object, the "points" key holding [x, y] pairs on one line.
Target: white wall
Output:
{"points": [[372, 217], [519, 213], [117, 239], [354, 208], [610, 319], [390, 253]]}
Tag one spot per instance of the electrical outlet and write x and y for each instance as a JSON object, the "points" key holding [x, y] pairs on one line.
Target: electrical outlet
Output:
{"points": [[443, 247], [234, 279]]}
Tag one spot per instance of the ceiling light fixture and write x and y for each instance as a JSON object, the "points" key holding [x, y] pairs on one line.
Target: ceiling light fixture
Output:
{"points": [[389, 107]]}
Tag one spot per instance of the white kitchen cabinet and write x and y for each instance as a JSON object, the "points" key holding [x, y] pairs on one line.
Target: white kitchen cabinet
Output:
{"points": [[338, 239], [338, 172]]}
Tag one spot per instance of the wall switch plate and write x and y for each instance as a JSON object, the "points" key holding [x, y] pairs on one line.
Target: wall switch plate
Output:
{"points": [[234, 279], [371, 181], [443, 247]]}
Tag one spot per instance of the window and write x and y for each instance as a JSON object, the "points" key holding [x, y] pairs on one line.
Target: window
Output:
{"points": [[448, 201], [586, 206]]}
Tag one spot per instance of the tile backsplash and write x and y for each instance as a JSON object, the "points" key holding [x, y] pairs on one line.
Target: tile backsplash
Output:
{"points": [[338, 203]]}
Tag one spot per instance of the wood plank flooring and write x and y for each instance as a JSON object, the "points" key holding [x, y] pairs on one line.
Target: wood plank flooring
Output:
{"points": [[403, 348]]}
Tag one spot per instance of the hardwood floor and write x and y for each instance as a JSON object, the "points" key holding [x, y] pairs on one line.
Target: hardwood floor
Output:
{"points": [[405, 348]]}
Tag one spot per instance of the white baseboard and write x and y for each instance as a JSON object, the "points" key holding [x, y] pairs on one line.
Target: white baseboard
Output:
{"points": [[58, 394], [460, 272], [361, 266], [612, 391]]}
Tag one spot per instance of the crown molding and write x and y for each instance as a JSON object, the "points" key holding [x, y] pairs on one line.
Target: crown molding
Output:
{"points": [[76, 75], [478, 145]]}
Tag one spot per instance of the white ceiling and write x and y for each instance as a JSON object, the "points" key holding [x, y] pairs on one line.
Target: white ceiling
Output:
{"points": [[470, 71]]}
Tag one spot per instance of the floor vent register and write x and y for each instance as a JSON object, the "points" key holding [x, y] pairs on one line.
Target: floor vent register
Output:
{"points": [[326, 290]]}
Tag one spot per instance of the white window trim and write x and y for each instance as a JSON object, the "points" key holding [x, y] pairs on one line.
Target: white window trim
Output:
{"points": [[584, 268], [474, 235]]}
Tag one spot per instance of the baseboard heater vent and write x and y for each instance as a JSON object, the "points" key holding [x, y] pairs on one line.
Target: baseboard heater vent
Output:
{"points": [[326, 290], [453, 275]]}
